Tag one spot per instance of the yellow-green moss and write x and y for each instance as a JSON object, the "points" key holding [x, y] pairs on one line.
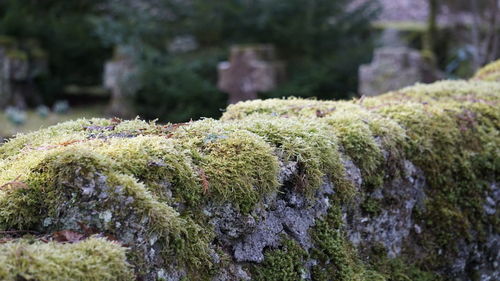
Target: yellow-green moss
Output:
{"points": [[448, 129], [45, 187], [91, 259], [234, 165], [490, 72], [312, 144]]}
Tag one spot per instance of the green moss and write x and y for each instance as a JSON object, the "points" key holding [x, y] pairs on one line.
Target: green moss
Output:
{"points": [[336, 258], [91, 259], [395, 269], [234, 165], [283, 264], [312, 144], [490, 72], [371, 206], [47, 186], [449, 129]]}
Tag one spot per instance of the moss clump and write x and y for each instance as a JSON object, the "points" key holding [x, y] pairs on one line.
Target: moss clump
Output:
{"points": [[395, 269], [91, 259], [490, 72], [336, 259], [234, 165], [311, 144], [283, 264]]}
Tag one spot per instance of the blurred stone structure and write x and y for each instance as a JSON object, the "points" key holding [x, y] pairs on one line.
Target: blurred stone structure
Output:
{"points": [[393, 68], [250, 70], [121, 78], [18, 69]]}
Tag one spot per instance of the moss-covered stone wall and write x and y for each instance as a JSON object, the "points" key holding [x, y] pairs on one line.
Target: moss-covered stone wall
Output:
{"points": [[403, 186]]}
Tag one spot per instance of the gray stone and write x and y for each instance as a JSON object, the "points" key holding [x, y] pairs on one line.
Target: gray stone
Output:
{"points": [[250, 70], [393, 68], [121, 78]]}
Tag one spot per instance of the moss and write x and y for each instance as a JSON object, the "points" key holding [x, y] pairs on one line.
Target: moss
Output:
{"points": [[92, 259], [395, 269], [47, 185], [449, 129], [283, 264], [311, 144], [372, 206], [490, 72], [336, 258], [235, 165]]}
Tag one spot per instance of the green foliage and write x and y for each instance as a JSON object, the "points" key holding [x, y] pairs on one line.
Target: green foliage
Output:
{"points": [[75, 55], [27, 260], [179, 88]]}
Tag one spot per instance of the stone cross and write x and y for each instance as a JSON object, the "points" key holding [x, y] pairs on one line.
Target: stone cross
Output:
{"points": [[393, 68], [121, 77], [250, 70]]}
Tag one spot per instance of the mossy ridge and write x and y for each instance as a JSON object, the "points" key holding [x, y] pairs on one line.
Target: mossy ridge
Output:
{"points": [[489, 72], [48, 185], [278, 107], [450, 130], [453, 144], [235, 165], [356, 128], [460, 90], [78, 130], [152, 159], [441, 91], [310, 143], [91, 259]]}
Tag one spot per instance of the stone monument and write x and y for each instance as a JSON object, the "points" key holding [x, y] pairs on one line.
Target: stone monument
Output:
{"points": [[20, 64], [250, 70], [121, 77], [393, 68]]}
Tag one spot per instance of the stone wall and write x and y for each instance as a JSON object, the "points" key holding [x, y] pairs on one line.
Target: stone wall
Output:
{"points": [[402, 186]]}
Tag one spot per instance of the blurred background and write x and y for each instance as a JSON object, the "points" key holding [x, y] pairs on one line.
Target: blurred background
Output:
{"points": [[176, 60]]}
